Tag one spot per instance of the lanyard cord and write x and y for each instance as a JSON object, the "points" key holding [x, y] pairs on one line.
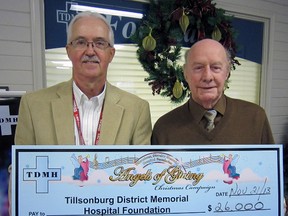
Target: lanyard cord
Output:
{"points": [[78, 123]]}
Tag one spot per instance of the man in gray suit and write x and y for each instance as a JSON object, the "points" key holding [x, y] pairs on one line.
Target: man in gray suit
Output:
{"points": [[87, 109]]}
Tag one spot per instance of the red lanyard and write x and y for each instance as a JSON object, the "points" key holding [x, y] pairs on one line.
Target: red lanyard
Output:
{"points": [[78, 123]]}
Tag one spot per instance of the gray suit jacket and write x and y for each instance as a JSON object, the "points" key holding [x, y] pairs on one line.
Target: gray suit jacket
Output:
{"points": [[46, 117]]}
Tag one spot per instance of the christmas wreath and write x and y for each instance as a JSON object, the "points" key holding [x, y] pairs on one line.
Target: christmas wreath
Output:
{"points": [[168, 25]]}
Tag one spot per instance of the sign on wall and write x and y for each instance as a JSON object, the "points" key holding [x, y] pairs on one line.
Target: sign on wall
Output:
{"points": [[58, 14]]}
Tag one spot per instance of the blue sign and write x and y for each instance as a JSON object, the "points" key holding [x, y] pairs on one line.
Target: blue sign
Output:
{"points": [[58, 14]]}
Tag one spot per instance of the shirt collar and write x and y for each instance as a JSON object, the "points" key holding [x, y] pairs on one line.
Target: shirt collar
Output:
{"points": [[197, 111], [220, 106], [80, 97]]}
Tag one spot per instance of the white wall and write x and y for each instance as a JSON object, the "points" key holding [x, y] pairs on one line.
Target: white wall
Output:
{"points": [[15, 45], [21, 51], [17, 51], [275, 88]]}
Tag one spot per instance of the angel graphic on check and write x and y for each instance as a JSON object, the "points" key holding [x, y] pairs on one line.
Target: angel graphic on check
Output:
{"points": [[229, 167], [81, 167]]}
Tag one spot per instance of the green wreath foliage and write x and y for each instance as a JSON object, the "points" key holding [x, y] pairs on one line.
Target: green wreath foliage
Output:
{"points": [[160, 37]]}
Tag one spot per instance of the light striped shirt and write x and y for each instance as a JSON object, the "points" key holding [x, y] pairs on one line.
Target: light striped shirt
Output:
{"points": [[89, 113]]}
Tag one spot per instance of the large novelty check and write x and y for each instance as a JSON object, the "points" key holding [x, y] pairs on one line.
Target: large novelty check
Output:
{"points": [[147, 180]]}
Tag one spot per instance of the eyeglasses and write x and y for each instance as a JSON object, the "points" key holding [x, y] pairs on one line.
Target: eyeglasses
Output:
{"points": [[82, 44]]}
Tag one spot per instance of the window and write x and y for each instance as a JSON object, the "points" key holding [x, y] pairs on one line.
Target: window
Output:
{"points": [[126, 73]]}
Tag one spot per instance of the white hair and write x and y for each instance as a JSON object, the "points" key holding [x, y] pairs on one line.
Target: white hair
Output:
{"points": [[90, 14]]}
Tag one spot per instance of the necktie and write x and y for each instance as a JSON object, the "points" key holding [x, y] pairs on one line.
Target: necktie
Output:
{"points": [[210, 116]]}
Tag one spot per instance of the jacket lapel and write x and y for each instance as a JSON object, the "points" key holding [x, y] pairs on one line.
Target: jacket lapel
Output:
{"points": [[62, 110], [112, 116]]}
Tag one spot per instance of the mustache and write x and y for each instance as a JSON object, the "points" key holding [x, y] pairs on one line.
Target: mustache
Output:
{"points": [[94, 59]]}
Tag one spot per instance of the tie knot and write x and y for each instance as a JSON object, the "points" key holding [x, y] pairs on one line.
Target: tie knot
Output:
{"points": [[210, 116]]}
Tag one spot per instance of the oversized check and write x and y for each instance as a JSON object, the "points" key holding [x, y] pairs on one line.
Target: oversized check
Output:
{"points": [[147, 180]]}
